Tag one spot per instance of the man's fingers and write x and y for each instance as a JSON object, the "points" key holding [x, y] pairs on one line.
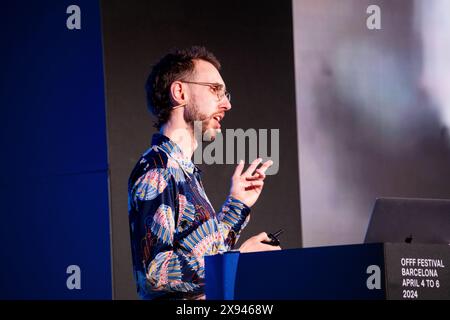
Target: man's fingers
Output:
{"points": [[254, 244], [261, 173], [254, 184], [257, 176], [269, 247], [239, 168], [266, 165], [262, 237], [252, 167]]}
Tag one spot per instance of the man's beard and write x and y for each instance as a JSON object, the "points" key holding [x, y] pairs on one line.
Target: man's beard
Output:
{"points": [[193, 116]]}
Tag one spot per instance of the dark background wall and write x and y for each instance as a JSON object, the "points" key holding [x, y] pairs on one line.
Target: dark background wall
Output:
{"points": [[253, 40]]}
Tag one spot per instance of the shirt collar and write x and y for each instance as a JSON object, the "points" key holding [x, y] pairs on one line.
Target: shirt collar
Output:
{"points": [[173, 150]]}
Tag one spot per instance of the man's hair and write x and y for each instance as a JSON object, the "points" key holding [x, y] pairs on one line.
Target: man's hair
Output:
{"points": [[176, 65]]}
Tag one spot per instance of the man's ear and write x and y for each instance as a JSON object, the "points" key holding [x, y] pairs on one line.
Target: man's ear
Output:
{"points": [[178, 94]]}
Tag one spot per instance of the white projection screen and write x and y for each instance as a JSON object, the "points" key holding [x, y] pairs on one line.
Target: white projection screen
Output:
{"points": [[373, 109]]}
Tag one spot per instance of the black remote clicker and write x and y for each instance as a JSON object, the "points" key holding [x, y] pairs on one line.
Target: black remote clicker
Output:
{"points": [[273, 238]]}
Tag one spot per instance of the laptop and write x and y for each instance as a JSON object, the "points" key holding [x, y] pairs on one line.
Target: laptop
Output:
{"points": [[409, 220]]}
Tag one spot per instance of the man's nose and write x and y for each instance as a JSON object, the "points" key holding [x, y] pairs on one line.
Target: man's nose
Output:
{"points": [[225, 104]]}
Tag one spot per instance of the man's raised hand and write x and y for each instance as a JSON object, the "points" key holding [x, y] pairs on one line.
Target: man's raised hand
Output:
{"points": [[247, 185]]}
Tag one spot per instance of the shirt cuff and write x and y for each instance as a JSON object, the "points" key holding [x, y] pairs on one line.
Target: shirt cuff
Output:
{"points": [[235, 213]]}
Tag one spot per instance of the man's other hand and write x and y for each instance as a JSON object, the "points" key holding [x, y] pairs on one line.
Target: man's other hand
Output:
{"points": [[254, 244]]}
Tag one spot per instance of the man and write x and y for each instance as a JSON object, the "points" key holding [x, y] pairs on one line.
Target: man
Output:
{"points": [[172, 223]]}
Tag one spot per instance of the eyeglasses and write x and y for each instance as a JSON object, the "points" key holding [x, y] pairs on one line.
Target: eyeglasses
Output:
{"points": [[218, 89]]}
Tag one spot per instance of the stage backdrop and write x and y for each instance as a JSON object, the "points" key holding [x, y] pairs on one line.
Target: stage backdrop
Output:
{"points": [[253, 40], [368, 99]]}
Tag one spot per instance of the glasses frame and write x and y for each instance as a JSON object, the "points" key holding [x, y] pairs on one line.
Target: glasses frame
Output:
{"points": [[216, 87]]}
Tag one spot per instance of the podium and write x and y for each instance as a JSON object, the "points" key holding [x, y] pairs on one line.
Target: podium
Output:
{"points": [[364, 272]]}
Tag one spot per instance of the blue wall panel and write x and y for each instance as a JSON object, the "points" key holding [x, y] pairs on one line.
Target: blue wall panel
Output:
{"points": [[49, 224], [52, 89], [53, 153]]}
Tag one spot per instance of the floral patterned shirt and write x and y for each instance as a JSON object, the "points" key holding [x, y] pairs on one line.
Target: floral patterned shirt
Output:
{"points": [[173, 225]]}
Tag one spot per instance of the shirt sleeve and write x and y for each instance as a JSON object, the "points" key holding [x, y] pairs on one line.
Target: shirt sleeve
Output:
{"points": [[170, 239], [233, 216], [166, 266]]}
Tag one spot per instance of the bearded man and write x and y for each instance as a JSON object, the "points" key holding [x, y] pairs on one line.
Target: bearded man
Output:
{"points": [[172, 223]]}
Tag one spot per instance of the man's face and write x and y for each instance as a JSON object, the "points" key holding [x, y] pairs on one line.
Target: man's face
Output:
{"points": [[204, 104]]}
